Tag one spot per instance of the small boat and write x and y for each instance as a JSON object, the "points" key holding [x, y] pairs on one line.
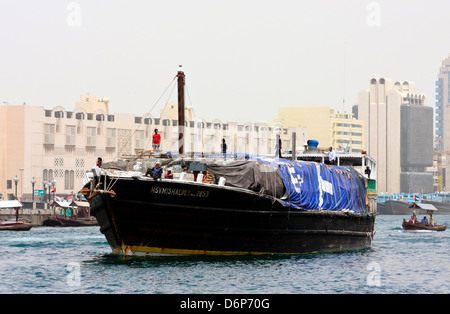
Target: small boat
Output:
{"points": [[15, 225], [415, 225], [74, 214], [420, 226]]}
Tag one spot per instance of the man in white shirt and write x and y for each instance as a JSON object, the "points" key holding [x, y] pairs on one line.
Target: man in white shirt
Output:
{"points": [[332, 156]]}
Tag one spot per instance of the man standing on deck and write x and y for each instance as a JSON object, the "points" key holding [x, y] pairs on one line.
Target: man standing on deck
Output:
{"points": [[278, 147], [224, 149], [367, 172], [156, 140], [331, 156]]}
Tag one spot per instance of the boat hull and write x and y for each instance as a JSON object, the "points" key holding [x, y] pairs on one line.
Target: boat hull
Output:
{"points": [[15, 226], [69, 222], [172, 217], [383, 209], [419, 226], [393, 207]]}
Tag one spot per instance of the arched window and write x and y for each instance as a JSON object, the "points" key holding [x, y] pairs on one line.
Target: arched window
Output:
{"points": [[71, 179], [50, 175], [66, 180], [59, 114]]}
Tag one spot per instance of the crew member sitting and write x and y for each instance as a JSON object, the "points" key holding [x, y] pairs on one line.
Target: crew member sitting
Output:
{"points": [[413, 218], [154, 172], [424, 220], [169, 174], [432, 222]]}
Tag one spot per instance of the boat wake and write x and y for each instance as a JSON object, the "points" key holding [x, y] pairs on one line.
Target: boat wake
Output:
{"points": [[416, 231]]}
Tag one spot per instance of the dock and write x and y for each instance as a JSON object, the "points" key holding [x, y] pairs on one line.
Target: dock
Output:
{"points": [[36, 216]]}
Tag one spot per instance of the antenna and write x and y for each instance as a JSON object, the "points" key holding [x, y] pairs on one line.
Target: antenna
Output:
{"points": [[345, 66], [181, 113], [342, 115]]}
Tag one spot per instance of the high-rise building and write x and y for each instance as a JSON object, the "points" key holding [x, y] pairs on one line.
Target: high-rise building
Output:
{"points": [[443, 126], [442, 107], [399, 135]]}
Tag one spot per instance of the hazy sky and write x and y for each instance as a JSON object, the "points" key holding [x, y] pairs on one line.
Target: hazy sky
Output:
{"points": [[243, 59]]}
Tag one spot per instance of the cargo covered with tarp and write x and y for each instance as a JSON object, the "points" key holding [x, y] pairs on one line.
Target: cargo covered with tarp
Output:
{"points": [[256, 176], [298, 184]]}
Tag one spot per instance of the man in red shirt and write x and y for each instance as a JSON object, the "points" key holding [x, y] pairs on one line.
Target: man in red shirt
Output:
{"points": [[156, 140]]}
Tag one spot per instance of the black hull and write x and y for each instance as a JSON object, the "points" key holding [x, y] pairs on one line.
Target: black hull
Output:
{"points": [[69, 222], [173, 217]]}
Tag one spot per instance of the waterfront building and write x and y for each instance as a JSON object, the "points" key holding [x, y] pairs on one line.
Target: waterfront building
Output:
{"points": [[57, 146], [340, 130], [399, 135]]}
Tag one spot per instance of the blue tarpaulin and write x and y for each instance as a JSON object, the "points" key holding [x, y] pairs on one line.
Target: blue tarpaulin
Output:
{"points": [[313, 186], [297, 184]]}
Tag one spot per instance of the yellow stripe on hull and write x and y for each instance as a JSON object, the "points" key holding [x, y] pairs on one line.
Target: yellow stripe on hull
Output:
{"points": [[129, 250]]}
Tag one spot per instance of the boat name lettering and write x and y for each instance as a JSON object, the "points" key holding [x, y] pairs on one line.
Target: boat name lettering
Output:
{"points": [[179, 192]]}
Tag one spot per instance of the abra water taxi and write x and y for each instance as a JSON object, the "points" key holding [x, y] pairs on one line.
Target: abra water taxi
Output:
{"points": [[430, 225]]}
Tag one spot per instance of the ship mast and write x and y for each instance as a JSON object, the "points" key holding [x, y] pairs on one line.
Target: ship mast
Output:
{"points": [[181, 82]]}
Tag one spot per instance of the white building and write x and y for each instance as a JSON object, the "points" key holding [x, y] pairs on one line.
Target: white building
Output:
{"points": [[59, 145]]}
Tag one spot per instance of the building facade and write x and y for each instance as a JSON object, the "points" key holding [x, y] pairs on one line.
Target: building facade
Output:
{"points": [[442, 127], [340, 130], [56, 147], [442, 106], [399, 135]]}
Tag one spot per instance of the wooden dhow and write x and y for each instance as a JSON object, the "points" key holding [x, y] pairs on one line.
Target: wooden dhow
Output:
{"points": [[257, 205]]}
